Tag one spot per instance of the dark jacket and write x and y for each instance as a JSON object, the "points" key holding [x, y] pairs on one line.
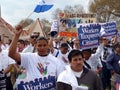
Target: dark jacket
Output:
{"points": [[88, 78]]}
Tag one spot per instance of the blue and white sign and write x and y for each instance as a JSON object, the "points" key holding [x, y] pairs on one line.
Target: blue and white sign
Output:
{"points": [[118, 37], [88, 35], [44, 83], [109, 29]]}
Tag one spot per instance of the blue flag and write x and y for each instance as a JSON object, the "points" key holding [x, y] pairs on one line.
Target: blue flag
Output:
{"points": [[44, 5]]}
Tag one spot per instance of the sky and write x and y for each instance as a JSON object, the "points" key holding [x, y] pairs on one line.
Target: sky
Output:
{"points": [[13, 11]]}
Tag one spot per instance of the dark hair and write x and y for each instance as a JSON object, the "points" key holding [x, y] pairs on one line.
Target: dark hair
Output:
{"points": [[42, 38], [87, 50], [73, 53], [21, 41], [117, 45], [64, 45], [35, 35]]}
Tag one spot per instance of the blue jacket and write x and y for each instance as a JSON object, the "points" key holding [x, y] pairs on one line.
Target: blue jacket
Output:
{"points": [[112, 62]]}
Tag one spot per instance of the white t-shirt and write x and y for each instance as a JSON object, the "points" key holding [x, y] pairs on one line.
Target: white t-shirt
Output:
{"points": [[94, 60], [4, 47], [5, 60], [29, 48], [61, 58], [30, 62], [78, 74]]}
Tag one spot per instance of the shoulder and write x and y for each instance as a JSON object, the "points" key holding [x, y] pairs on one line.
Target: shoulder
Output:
{"points": [[62, 76], [52, 57], [28, 55], [89, 72], [92, 75]]}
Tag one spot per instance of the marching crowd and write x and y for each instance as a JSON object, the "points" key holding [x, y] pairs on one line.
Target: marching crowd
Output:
{"points": [[95, 68]]}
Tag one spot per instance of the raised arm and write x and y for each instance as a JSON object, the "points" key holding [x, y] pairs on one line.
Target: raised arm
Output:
{"points": [[12, 49]]}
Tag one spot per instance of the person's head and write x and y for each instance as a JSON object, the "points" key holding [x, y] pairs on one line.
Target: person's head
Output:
{"points": [[76, 60], [117, 48], [87, 53], [64, 48], [42, 46], [20, 45], [94, 50], [33, 37], [105, 41]]}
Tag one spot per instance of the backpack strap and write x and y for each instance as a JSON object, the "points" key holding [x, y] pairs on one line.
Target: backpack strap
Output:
{"points": [[57, 53], [87, 65]]}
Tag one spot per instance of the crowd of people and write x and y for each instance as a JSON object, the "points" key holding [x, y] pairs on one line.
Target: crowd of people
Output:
{"points": [[65, 65]]}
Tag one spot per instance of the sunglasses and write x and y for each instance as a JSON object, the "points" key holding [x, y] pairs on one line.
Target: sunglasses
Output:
{"points": [[34, 37]]}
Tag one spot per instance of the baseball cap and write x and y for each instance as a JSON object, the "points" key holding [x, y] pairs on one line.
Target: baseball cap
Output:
{"points": [[64, 45]]}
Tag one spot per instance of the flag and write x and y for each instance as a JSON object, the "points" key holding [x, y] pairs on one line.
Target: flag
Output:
{"points": [[44, 5]]}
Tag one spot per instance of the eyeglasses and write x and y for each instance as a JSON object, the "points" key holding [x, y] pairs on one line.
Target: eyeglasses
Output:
{"points": [[34, 37]]}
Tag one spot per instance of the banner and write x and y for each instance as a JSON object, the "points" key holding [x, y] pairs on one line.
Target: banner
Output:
{"points": [[109, 29], [118, 37], [68, 34], [68, 21], [43, 83], [88, 35]]}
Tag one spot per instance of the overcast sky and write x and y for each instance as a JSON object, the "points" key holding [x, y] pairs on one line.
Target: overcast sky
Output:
{"points": [[13, 11]]}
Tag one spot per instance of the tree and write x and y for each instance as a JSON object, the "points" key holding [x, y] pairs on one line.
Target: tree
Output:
{"points": [[105, 9], [77, 9], [55, 14], [26, 22]]}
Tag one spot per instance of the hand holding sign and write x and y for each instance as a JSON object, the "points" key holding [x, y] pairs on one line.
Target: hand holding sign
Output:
{"points": [[54, 29]]}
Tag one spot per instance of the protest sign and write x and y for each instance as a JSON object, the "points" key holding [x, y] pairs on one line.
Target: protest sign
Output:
{"points": [[43, 83], [68, 21], [88, 35], [68, 34], [109, 29]]}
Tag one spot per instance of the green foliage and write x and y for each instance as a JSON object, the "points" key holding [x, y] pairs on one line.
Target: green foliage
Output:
{"points": [[105, 9]]}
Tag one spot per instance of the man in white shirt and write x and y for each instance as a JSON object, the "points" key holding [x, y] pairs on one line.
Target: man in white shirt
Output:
{"points": [[76, 76], [105, 73], [92, 60], [41, 68], [61, 53]]}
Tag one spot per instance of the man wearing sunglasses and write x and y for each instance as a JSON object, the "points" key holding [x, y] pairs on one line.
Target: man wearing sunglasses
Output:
{"points": [[32, 40]]}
